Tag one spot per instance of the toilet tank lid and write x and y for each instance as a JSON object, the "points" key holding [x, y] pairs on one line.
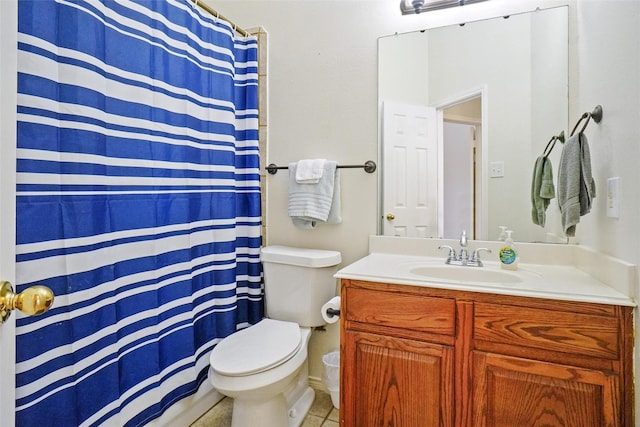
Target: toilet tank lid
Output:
{"points": [[300, 256]]}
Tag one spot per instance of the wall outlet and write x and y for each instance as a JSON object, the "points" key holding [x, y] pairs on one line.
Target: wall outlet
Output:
{"points": [[613, 197], [496, 169]]}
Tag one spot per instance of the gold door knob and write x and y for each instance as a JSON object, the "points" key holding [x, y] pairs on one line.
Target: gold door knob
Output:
{"points": [[33, 300], [391, 217]]}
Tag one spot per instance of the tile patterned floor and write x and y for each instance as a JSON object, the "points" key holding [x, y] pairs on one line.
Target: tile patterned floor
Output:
{"points": [[321, 414]]}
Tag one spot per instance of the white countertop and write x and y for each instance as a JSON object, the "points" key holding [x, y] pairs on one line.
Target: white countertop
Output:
{"points": [[555, 281]]}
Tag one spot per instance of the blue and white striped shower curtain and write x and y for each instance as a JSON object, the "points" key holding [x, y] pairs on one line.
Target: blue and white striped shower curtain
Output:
{"points": [[138, 203]]}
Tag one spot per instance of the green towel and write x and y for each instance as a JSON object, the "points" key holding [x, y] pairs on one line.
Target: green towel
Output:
{"points": [[542, 190]]}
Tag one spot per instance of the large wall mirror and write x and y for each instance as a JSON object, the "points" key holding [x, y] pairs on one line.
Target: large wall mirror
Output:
{"points": [[464, 112]]}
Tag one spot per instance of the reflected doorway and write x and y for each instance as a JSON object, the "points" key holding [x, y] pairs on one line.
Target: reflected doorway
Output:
{"points": [[461, 124]]}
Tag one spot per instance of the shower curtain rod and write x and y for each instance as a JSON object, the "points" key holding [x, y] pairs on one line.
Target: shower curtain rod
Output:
{"points": [[215, 13]]}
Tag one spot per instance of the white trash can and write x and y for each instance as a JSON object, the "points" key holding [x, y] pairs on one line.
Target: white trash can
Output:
{"points": [[331, 376]]}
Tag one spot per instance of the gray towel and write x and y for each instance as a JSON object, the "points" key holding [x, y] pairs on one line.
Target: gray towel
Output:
{"points": [[587, 184], [542, 190], [576, 188], [310, 204]]}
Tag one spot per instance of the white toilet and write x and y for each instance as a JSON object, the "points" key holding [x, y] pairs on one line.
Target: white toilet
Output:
{"points": [[264, 367]]}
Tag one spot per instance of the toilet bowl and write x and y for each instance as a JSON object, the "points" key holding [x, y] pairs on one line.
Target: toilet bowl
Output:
{"points": [[264, 367]]}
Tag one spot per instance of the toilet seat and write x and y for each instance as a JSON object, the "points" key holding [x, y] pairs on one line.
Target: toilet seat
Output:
{"points": [[258, 348]]}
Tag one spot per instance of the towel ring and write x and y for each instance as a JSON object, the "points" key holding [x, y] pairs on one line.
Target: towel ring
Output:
{"points": [[552, 143], [597, 117]]}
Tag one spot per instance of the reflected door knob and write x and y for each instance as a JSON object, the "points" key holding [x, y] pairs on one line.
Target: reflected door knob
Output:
{"points": [[390, 217], [32, 301]]}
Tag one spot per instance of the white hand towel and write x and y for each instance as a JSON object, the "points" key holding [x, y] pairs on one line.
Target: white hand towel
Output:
{"points": [[309, 171], [310, 204]]}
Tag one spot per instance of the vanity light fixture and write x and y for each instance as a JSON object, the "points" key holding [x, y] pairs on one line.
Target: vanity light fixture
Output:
{"points": [[408, 7]]}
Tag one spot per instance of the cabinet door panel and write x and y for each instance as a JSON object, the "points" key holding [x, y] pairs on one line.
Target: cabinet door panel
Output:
{"points": [[511, 392], [396, 382]]}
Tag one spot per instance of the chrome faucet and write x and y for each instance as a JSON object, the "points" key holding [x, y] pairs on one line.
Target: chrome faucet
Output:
{"points": [[463, 246], [463, 256]]}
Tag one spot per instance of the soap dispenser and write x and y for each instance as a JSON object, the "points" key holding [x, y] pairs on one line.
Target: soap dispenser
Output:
{"points": [[503, 233], [508, 255]]}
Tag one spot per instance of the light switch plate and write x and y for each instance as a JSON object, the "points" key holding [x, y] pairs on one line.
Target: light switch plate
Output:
{"points": [[496, 169], [613, 197]]}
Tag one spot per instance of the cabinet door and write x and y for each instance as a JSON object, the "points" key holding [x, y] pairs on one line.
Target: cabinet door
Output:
{"points": [[396, 382], [509, 391]]}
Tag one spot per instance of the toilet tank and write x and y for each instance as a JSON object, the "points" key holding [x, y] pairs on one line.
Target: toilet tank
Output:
{"points": [[297, 282]]}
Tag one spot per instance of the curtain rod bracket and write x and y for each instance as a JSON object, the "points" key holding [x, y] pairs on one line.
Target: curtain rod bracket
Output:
{"points": [[204, 6]]}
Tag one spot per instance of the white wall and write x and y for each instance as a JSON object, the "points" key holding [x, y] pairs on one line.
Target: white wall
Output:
{"points": [[605, 70], [606, 66], [323, 102]]}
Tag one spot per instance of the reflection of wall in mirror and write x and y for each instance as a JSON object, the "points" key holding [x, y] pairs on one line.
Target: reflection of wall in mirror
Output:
{"points": [[506, 73], [522, 64], [458, 180], [462, 169]]}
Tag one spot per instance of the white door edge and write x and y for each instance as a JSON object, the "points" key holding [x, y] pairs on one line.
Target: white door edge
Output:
{"points": [[8, 118]]}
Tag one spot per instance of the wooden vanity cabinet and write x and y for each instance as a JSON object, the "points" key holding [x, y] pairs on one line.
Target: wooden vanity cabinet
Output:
{"points": [[397, 354], [419, 356]]}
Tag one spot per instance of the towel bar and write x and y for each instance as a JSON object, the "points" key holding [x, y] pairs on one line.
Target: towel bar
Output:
{"points": [[369, 167]]}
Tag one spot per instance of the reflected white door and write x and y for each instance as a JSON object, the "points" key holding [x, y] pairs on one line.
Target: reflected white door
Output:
{"points": [[410, 169], [8, 77]]}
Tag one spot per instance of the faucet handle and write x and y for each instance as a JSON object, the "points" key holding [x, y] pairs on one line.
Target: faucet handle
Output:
{"points": [[463, 239], [452, 252], [475, 256]]}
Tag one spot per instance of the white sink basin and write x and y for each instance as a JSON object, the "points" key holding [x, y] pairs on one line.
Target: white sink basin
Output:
{"points": [[465, 274]]}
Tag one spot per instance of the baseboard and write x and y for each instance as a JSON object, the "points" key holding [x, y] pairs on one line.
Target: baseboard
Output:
{"points": [[186, 411], [317, 383]]}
